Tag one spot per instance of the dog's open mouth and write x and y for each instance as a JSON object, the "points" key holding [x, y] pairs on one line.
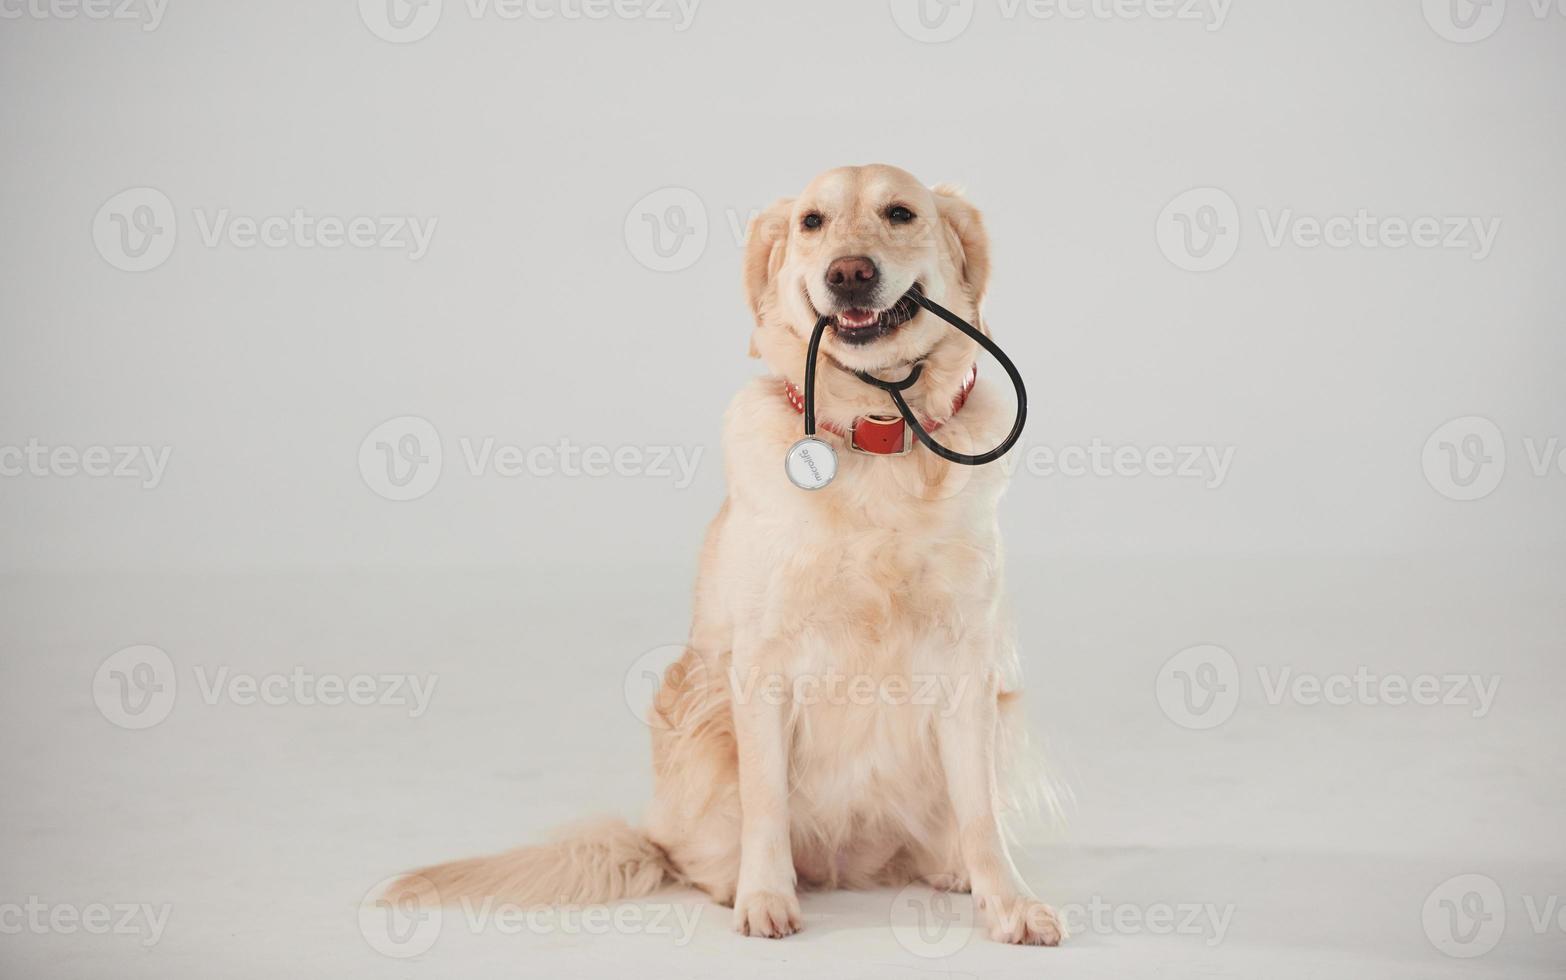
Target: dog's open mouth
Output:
{"points": [[861, 326]]}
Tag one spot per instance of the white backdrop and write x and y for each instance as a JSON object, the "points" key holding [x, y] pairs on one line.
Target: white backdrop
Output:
{"points": [[383, 341], [527, 150]]}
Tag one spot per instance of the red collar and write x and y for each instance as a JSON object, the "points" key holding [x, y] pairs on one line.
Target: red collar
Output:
{"points": [[883, 435]]}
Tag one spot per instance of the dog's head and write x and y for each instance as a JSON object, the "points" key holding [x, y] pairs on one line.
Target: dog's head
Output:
{"points": [[854, 246]]}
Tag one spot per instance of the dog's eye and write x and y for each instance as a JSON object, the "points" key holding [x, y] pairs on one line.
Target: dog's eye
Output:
{"points": [[812, 221], [899, 215]]}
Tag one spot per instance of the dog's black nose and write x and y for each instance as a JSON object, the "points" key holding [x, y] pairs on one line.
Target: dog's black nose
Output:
{"points": [[852, 276]]}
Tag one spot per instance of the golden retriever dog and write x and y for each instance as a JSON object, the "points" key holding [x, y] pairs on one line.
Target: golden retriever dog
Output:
{"points": [[843, 715]]}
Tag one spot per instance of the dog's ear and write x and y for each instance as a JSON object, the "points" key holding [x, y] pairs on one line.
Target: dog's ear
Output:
{"points": [[765, 244], [970, 243]]}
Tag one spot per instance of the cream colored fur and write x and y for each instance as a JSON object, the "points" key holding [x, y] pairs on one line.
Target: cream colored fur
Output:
{"points": [[770, 775]]}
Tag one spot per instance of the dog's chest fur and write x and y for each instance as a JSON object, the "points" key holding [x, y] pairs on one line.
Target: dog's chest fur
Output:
{"points": [[866, 608]]}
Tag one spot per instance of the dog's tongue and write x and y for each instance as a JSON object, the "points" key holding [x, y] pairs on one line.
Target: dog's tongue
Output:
{"points": [[857, 319]]}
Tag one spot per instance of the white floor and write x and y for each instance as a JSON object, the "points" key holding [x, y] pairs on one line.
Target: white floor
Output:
{"points": [[1291, 841]]}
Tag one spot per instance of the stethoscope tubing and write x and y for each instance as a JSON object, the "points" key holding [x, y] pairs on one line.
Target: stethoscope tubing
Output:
{"points": [[896, 388]]}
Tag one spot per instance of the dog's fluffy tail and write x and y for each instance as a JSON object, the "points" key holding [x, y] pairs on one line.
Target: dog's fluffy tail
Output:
{"points": [[590, 864]]}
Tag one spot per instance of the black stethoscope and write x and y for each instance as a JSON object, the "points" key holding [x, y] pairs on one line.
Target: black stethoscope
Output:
{"points": [[811, 463]]}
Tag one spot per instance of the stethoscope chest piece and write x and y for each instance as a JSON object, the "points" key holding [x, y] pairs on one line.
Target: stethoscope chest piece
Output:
{"points": [[811, 464]]}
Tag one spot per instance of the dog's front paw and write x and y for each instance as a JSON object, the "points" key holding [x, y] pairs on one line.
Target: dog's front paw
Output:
{"points": [[1024, 922], [766, 914]]}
